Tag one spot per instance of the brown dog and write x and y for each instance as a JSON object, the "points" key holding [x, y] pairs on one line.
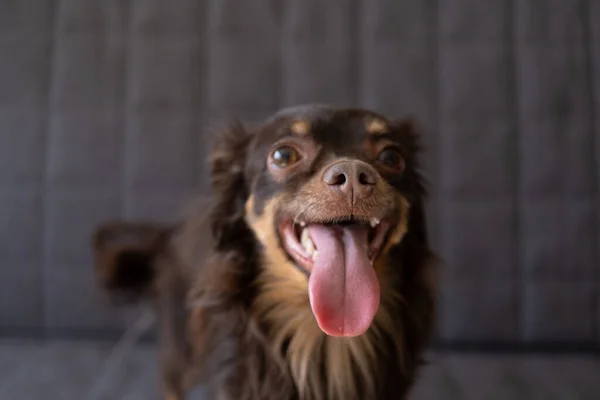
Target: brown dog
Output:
{"points": [[309, 274]]}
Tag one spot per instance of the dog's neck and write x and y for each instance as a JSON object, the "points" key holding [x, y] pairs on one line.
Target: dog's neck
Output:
{"points": [[323, 367]]}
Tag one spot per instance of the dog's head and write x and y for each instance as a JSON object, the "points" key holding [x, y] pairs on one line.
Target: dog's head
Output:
{"points": [[329, 194]]}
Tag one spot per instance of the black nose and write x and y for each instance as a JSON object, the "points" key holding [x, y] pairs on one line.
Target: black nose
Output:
{"points": [[353, 178]]}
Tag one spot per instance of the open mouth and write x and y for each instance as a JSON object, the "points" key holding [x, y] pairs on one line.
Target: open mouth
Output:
{"points": [[299, 243], [338, 256]]}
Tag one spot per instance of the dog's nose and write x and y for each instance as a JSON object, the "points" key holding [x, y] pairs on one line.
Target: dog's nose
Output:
{"points": [[353, 178]]}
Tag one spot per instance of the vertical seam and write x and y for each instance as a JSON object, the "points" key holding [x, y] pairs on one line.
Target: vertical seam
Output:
{"points": [[204, 137], [588, 49], [126, 111], [436, 168], [357, 39], [197, 138], [281, 12], [123, 114], [519, 275], [45, 164]]}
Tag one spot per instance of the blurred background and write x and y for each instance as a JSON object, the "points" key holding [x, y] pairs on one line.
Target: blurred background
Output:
{"points": [[105, 109]]}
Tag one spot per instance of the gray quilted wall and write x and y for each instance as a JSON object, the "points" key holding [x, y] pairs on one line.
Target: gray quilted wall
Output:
{"points": [[105, 105]]}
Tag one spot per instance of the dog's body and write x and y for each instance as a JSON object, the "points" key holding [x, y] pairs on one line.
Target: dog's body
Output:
{"points": [[308, 275]]}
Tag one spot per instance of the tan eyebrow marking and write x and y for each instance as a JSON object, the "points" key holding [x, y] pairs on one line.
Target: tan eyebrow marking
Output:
{"points": [[300, 128], [376, 126]]}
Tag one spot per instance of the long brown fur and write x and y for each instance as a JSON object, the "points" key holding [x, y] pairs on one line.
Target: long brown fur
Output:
{"points": [[235, 311]]}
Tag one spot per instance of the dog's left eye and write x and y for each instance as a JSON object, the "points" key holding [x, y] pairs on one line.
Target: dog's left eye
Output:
{"points": [[391, 158], [285, 156]]}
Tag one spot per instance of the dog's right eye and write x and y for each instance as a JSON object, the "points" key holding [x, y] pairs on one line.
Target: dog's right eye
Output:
{"points": [[285, 156]]}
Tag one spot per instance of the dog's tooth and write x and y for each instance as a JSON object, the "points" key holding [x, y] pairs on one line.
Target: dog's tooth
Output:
{"points": [[302, 223], [310, 247], [304, 236], [374, 222], [315, 254], [307, 242]]}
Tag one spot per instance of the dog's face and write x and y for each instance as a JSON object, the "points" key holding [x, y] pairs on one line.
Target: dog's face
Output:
{"points": [[328, 197]]}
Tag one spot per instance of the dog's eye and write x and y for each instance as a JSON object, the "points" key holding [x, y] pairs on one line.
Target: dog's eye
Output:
{"points": [[285, 156], [391, 158]]}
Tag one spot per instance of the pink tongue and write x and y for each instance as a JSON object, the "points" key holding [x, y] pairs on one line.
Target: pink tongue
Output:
{"points": [[343, 287]]}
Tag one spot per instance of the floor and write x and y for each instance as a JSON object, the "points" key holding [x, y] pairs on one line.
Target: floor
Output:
{"points": [[75, 370]]}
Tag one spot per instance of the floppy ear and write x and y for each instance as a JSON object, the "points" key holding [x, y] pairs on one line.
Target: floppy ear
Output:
{"points": [[222, 280], [419, 261], [415, 181], [124, 255], [230, 189]]}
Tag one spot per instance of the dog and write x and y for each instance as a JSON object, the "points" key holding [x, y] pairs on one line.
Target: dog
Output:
{"points": [[306, 275]]}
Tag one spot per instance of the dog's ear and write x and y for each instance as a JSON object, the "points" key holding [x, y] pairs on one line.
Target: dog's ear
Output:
{"points": [[124, 255], [415, 181], [229, 186], [420, 275]]}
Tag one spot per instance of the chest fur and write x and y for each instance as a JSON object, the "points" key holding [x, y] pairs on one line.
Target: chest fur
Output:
{"points": [[324, 367]]}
